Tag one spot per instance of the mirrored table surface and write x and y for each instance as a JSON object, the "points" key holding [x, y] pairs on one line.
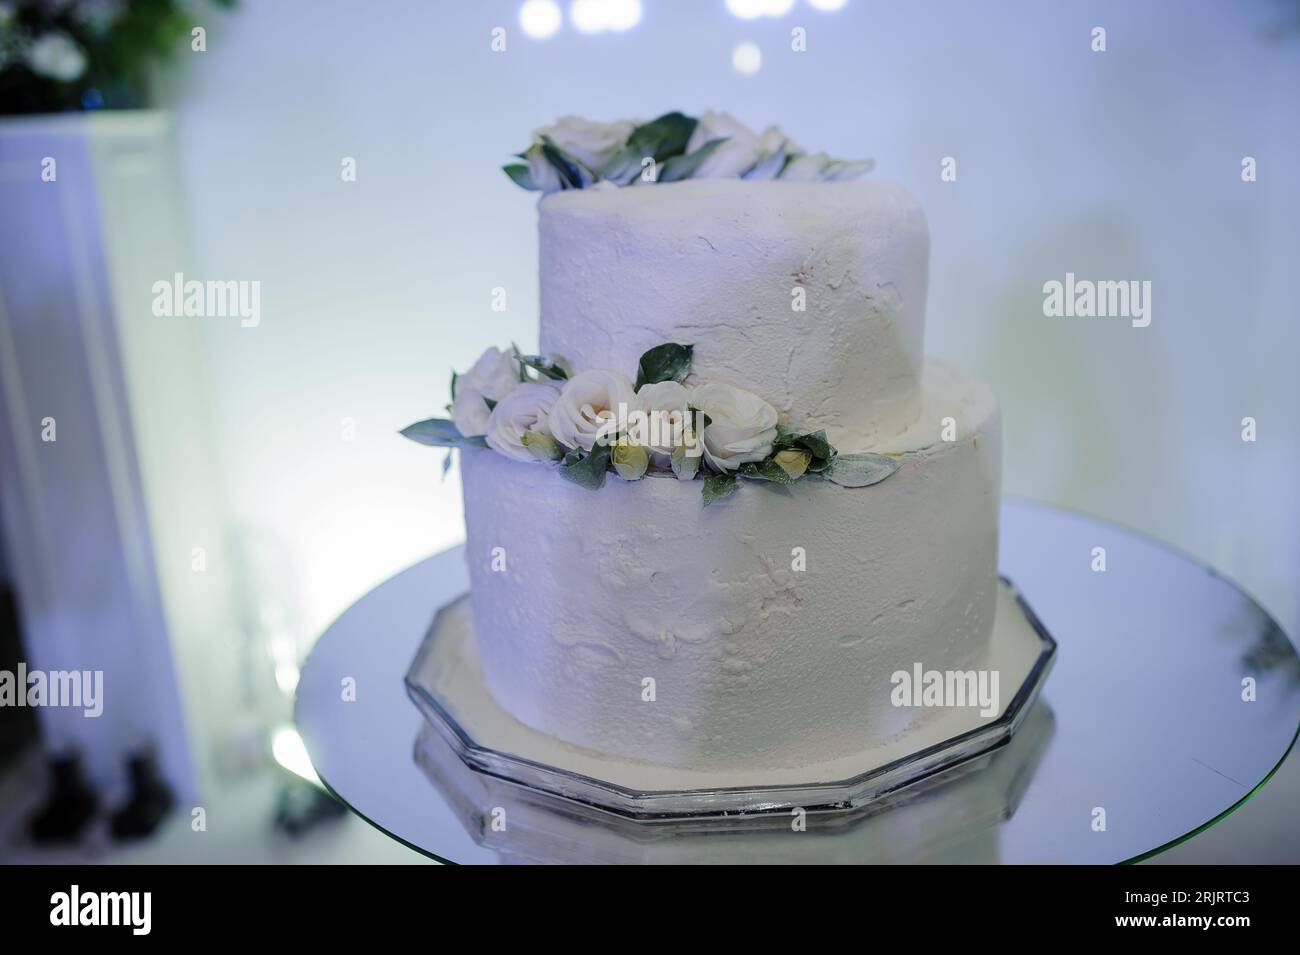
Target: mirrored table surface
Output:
{"points": [[1174, 696]]}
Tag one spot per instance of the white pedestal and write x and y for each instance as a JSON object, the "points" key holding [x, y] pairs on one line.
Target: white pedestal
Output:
{"points": [[101, 524]]}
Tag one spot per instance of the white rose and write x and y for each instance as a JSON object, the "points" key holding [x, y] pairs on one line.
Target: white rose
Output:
{"points": [[741, 428], [806, 168], [733, 158], [57, 56], [717, 125], [588, 408], [664, 416], [470, 412], [745, 153], [774, 147], [494, 375], [524, 409], [592, 144]]}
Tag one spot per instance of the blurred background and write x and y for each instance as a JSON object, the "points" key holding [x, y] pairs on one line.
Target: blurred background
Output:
{"points": [[217, 491]]}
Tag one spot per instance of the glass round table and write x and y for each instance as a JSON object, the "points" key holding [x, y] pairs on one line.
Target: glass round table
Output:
{"points": [[1173, 698]]}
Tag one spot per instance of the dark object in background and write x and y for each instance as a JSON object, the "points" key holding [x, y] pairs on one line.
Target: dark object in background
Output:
{"points": [[18, 730], [300, 807], [59, 57], [150, 802], [68, 808]]}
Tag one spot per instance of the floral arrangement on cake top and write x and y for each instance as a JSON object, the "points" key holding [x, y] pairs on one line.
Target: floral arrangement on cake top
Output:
{"points": [[535, 409], [579, 154]]}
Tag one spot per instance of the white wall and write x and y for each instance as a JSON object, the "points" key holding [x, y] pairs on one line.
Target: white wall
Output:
{"points": [[1117, 165]]}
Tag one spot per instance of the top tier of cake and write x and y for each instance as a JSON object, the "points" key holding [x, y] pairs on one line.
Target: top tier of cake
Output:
{"points": [[811, 295]]}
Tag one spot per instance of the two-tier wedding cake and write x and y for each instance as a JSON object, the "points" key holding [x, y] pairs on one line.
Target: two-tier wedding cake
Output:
{"points": [[731, 498]]}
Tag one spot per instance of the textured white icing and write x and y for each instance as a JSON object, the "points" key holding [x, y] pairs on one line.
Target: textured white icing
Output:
{"points": [[755, 664], [1013, 651], [716, 263]]}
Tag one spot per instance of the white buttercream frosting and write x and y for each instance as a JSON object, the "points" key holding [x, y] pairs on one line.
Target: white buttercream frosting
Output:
{"points": [[755, 663], [726, 265]]}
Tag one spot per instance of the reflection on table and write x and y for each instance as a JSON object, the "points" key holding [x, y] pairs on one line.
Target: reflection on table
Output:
{"points": [[953, 817]]}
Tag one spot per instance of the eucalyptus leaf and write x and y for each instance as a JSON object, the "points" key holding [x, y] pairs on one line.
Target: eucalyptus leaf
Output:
{"points": [[663, 137], [861, 470], [822, 465], [519, 174], [767, 470], [683, 167], [667, 362], [586, 470], [543, 366], [440, 433], [718, 487]]}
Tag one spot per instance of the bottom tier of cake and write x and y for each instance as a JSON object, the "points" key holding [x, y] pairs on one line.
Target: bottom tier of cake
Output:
{"points": [[760, 632]]}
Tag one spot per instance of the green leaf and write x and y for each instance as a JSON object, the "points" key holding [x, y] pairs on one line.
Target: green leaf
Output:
{"points": [[814, 442], [861, 470], [719, 487], [586, 470], [683, 167], [453, 384], [519, 174], [523, 369], [667, 362], [817, 444], [573, 174], [766, 470], [624, 167], [441, 433], [543, 366], [662, 138]]}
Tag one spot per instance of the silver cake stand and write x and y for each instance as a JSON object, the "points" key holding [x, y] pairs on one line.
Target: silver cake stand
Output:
{"points": [[1173, 697]]}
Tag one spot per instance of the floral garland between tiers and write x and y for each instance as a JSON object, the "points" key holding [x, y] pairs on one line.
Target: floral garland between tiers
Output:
{"points": [[534, 409]]}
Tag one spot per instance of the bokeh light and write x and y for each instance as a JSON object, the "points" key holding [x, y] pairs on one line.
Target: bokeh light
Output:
{"points": [[540, 19], [746, 58], [597, 16]]}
